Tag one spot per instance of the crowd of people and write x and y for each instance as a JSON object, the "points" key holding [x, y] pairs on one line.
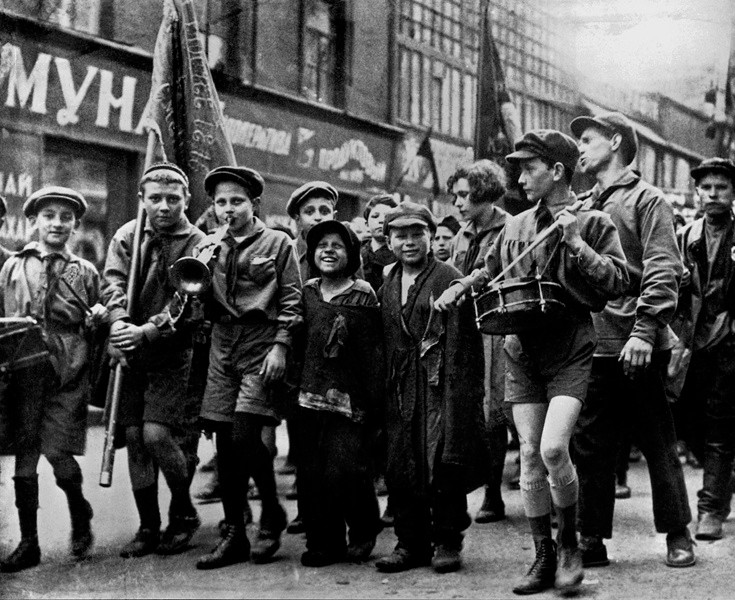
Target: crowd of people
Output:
{"points": [[373, 352]]}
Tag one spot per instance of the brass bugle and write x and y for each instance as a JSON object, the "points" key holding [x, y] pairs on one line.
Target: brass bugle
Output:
{"points": [[190, 275]]}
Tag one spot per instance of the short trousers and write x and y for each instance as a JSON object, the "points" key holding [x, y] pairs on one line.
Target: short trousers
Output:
{"points": [[550, 363]]}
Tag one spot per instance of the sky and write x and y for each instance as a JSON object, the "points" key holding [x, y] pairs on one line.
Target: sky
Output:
{"points": [[677, 47]]}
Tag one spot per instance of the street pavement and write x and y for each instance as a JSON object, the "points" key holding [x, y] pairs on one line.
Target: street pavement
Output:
{"points": [[495, 554]]}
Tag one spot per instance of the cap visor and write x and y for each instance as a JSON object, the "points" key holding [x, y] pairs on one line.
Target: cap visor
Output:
{"points": [[579, 125], [407, 222], [522, 155]]}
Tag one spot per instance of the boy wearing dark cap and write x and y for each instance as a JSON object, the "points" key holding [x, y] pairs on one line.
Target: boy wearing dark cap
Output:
{"points": [[635, 341], [150, 337], [341, 388], [48, 403], [375, 253], [707, 306], [446, 231], [548, 369], [256, 308], [433, 412]]}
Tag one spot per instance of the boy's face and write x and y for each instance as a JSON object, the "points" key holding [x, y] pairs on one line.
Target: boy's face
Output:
{"points": [[715, 190], [315, 210], [536, 178], [595, 150], [375, 221], [233, 203], [410, 244], [443, 243], [55, 221], [330, 256], [164, 203]]}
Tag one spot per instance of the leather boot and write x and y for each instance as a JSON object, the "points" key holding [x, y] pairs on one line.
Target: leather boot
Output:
{"points": [[569, 572], [272, 523], [81, 514], [541, 575], [28, 553], [234, 547]]}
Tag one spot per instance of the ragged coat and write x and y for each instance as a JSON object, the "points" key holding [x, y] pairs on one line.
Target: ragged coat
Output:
{"points": [[435, 382]]}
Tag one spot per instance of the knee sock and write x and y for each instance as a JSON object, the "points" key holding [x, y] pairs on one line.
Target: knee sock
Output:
{"points": [[26, 500], [146, 500], [564, 493], [536, 497], [540, 527]]}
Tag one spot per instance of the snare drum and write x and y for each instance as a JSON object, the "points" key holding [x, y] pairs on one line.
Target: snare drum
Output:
{"points": [[518, 305], [21, 344]]}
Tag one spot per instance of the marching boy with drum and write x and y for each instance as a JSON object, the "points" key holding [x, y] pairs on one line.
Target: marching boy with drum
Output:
{"points": [[575, 251], [48, 402]]}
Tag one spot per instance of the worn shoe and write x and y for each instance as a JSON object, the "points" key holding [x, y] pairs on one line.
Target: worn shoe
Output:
{"points": [[178, 534], [542, 574], [622, 491], [209, 494], [81, 531], [709, 527], [402, 559], [268, 540], [594, 552], [144, 542], [446, 559], [233, 548], [569, 571], [360, 553], [25, 556], [680, 549], [315, 558]]}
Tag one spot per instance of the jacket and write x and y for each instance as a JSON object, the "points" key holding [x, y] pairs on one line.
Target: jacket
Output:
{"points": [[470, 246]]}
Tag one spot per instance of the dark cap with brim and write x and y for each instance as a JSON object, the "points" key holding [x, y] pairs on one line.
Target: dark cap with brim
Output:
{"points": [[250, 179], [55, 193], [352, 243], [714, 165], [407, 214], [613, 123], [548, 144], [310, 190]]}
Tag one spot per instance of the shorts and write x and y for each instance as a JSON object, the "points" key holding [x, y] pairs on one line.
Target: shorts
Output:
{"points": [[234, 383], [555, 362], [155, 391]]}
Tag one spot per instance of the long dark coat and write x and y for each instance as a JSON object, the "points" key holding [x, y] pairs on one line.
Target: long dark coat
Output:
{"points": [[435, 382]]}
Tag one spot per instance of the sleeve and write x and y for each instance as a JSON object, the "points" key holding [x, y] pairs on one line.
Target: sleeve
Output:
{"points": [[289, 308], [601, 261], [92, 283], [480, 277], [115, 277], [662, 268]]}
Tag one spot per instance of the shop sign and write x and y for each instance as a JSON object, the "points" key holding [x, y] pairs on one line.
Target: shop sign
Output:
{"points": [[19, 177]]}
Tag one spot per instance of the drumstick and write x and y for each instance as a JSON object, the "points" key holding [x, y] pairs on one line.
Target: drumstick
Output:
{"points": [[81, 300]]}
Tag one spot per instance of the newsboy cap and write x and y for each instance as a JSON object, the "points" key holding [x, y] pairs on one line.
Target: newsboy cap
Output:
{"points": [[352, 244], [309, 190], [250, 179], [714, 165], [613, 122], [409, 213], [55, 193], [547, 144]]}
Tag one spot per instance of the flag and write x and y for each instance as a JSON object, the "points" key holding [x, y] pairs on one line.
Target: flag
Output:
{"points": [[183, 108], [426, 152], [497, 124]]}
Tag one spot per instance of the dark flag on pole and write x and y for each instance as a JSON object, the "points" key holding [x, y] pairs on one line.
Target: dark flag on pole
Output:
{"points": [[426, 152], [497, 126], [183, 109]]}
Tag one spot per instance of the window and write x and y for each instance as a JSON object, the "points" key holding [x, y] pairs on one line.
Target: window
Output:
{"points": [[324, 51], [82, 15], [228, 29], [438, 53]]}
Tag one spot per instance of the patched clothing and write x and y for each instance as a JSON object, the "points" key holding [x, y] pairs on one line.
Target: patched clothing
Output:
{"points": [[50, 401]]}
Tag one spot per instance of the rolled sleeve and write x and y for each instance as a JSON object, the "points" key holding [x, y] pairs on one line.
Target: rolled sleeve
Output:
{"points": [[290, 312]]}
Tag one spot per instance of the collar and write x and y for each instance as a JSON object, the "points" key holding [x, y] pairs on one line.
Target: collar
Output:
{"points": [[628, 178], [258, 228], [570, 199], [497, 221], [35, 249]]}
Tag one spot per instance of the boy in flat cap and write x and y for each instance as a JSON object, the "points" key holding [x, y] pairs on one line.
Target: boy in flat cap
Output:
{"points": [[635, 340], [476, 189], [548, 368], [256, 308], [706, 308], [48, 402], [153, 340], [433, 413], [339, 402]]}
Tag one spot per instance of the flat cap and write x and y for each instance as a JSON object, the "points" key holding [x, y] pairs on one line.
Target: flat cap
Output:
{"points": [[352, 244], [548, 144], [451, 223], [714, 165], [55, 193], [409, 213], [613, 122], [309, 190], [250, 179]]}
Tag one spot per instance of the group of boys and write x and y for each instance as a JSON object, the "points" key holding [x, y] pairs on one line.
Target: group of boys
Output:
{"points": [[348, 338]]}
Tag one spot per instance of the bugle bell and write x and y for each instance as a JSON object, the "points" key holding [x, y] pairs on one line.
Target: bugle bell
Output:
{"points": [[190, 275]]}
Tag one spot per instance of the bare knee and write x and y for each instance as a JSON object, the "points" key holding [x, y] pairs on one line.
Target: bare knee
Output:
{"points": [[554, 455], [157, 437], [531, 462]]}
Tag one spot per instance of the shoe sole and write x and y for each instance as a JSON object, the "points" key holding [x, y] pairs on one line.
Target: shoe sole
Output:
{"points": [[596, 563], [681, 565], [708, 537], [210, 567], [529, 591]]}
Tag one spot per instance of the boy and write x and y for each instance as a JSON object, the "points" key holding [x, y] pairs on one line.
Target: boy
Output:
{"points": [[48, 412], [434, 400], [156, 410], [375, 253], [256, 307], [340, 392], [548, 368], [446, 231]]}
